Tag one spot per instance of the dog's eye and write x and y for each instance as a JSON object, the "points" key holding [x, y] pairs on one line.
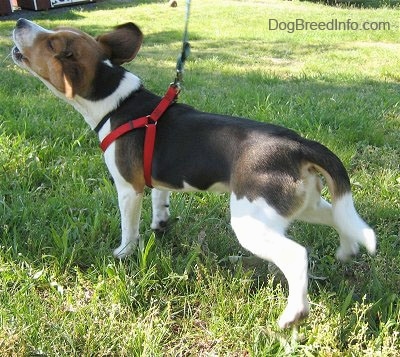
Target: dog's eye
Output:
{"points": [[68, 54], [50, 45]]}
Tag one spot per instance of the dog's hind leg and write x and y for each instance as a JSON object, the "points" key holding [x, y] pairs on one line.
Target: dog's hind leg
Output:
{"points": [[314, 209], [261, 230], [160, 205], [352, 229], [342, 216], [320, 212]]}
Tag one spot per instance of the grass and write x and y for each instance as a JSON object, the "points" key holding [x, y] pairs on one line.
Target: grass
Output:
{"points": [[61, 292]]}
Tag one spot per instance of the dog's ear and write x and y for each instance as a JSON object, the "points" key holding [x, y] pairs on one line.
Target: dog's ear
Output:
{"points": [[122, 44]]}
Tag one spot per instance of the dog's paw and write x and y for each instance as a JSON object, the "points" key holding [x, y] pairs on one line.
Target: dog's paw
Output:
{"points": [[293, 314], [369, 240], [160, 226], [124, 250], [344, 253]]}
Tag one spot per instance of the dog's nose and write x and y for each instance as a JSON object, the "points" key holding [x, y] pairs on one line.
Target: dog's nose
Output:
{"points": [[22, 23]]}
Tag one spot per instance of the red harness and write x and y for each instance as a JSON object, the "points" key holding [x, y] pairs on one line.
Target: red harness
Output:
{"points": [[149, 122]]}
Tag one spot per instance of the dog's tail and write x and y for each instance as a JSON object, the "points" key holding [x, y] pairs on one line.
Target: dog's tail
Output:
{"points": [[352, 229]]}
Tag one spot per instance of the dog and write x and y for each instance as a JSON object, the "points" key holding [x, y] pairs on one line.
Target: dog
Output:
{"points": [[273, 175]]}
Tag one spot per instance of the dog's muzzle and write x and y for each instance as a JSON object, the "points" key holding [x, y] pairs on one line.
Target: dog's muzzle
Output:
{"points": [[16, 54]]}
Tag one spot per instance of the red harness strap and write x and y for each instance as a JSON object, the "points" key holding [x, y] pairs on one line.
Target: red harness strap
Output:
{"points": [[149, 122]]}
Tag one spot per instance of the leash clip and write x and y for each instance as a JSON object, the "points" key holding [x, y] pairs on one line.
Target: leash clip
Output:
{"points": [[177, 85], [180, 64], [178, 80]]}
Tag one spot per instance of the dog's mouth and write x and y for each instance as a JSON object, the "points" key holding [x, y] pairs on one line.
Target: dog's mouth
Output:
{"points": [[17, 55]]}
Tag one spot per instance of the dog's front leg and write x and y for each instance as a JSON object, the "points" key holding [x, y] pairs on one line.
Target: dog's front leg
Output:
{"points": [[130, 206], [160, 205]]}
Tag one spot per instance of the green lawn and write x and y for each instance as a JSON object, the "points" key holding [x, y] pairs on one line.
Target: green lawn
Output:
{"points": [[62, 293]]}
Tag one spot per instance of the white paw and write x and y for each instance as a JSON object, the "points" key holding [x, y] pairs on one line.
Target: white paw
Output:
{"points": [[124, 250], [293, 314], [369, 240], [159, 225], [344, 253]]}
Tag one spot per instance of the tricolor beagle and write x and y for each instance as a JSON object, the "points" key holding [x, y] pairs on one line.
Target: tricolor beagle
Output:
{"points": [[271, 173]]}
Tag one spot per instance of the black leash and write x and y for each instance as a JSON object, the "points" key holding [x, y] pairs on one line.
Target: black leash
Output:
{"points": [[185, 49]]}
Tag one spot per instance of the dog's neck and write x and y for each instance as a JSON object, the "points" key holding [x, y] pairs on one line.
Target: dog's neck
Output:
{"points": [[94, 111]]}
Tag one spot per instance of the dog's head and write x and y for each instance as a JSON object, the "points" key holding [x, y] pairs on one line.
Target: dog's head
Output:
{"points": [[66, 59]]}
